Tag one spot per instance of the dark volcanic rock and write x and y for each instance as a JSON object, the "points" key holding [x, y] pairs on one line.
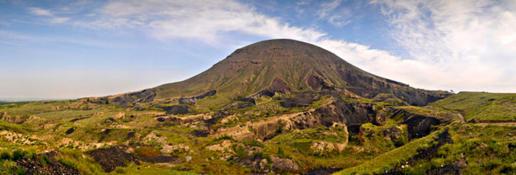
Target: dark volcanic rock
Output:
{"points": [[176, 109], [161, 119], [132, 98], [158, 158], [192, 100], [45, 164], [349, 113], [110, 158], [206, 94], [266, 93], [300, 100], [418, 125], [323, 171], [200, 133], [69, 131]]}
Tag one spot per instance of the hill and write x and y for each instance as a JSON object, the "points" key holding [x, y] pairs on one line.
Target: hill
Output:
{"points": [[282, 66], [481, 106]]}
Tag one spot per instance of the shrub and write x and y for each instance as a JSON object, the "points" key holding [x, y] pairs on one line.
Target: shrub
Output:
{"points": [[5, 155], [19, 154]]}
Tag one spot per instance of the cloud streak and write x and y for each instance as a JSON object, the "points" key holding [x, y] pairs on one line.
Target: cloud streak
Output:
{"points": [[52, 18]]}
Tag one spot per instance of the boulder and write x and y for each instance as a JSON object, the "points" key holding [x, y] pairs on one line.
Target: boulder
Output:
{"points": [[284, 165]]}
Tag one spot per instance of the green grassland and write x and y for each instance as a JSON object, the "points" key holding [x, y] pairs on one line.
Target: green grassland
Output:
{"points": [[72, 128], [481, 105]]}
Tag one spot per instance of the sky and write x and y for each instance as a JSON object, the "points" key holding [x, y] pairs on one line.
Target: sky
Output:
{"points": [[69, 49]]}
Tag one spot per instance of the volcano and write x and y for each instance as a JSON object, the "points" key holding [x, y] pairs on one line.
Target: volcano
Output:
{"points": [[281, 66]]}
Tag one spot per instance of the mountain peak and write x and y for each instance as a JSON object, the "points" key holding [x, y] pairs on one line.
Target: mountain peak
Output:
{"points": [[286, 66]]}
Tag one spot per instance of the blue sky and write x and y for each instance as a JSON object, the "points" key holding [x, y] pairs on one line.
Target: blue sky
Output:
{"points": [[69, 49]]}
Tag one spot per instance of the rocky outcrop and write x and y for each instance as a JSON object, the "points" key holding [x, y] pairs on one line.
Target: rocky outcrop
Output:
{"points": [[327, 115], [352, 114], [18, 138], [186, 119], [277, 86], [317, 83], [396, 134], [18, 119], [419, 124], [282, 165], [192, 100], [299, 100], [323, 148], [132, 98], [176, 109]]}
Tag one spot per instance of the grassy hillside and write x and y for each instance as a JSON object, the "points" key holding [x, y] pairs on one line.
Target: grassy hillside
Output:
{"points": [[481, 105], [470, 149]]}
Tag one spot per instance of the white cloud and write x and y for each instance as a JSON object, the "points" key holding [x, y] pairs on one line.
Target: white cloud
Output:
{"points": [[52, 18], [333, 13], [203, 20], [40, 12], [59, 20], [472, 43], [328, 7]]}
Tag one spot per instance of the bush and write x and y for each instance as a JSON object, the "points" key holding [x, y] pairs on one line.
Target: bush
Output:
{"points": [[19, 154], [5, 156]]}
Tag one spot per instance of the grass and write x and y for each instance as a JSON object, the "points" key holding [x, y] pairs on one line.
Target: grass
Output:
{"points": [[481, 105], [12, 127], [149, 170], [486, 147], [388, 160]]}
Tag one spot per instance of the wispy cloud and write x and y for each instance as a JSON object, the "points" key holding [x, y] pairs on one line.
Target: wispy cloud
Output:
{"points": [[203, 20], [52, 18], [40, 12], [333, 13], [470, 44]]}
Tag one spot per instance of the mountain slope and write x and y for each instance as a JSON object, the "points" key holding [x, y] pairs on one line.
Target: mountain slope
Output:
{"points": [[284, 66]]}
